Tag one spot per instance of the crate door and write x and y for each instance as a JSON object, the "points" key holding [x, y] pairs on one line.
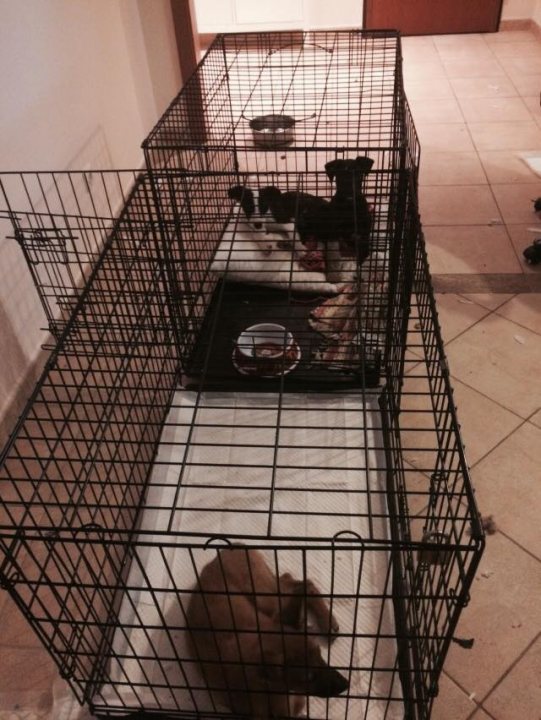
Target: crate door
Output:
{"points": [[428, 17]]}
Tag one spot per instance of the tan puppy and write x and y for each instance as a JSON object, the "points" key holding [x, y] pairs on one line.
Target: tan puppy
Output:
{"points": [[248, 635]]}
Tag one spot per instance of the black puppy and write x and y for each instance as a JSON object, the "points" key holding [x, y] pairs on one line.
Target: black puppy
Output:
{"points": [[350, 215], [304, 210]]}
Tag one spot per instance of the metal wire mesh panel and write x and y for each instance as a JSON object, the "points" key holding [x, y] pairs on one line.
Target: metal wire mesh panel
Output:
{"points": [[432, 493], [198, 522], [264, 224], [62, 221], [79, 456], [116, 479], [278, 101], [152, 663], [234, 272]]}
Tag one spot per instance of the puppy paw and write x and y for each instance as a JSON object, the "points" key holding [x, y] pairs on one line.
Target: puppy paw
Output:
{"points": [[329, 627], [334, 630]]}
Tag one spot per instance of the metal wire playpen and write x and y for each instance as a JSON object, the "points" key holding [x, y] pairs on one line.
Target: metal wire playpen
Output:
{"points": [[169, 447], [276, 242]]}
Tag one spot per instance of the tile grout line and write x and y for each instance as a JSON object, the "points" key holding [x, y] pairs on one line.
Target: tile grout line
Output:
{"points": [[511, 667], [465, 122], [476, 149], [524, 327], [454, 377], [476, 322], [506, 74], [500, 442], [478, 705], [472, 468], [518, 545], [487, 397], [466, 693], [483, 306]]}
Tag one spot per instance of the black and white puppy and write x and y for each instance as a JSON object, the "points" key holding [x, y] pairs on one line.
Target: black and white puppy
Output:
{"points": [[248, 199], [350, 215], [261, 212], [271, 210]]}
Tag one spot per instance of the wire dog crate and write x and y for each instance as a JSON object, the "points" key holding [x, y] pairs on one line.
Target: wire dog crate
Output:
{"points": [[148, 453], [233, 199], [288, 102]]}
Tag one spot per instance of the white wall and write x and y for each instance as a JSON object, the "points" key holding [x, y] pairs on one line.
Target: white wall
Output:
{"points": [[536, 14], [517, 9], [246, 15], [83, 81], [327, 14], [153, 55], [233, 15]]}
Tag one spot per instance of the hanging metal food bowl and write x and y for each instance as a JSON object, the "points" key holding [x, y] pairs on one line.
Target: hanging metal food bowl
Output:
{"points": [[274, 131]]}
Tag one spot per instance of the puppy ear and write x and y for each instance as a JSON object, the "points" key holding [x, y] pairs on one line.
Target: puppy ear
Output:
{"points": [[293, 602], [265, 195], [235, 192], [364, 164], [245, 197], [331, 168]]}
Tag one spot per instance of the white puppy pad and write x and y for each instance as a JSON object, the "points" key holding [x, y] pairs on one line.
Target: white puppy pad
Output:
{"points": [[295, 466], [248, 256]]}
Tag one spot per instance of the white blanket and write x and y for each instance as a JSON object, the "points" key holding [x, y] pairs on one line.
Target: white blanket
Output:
{"points": [[320, 474], [248, 256]]}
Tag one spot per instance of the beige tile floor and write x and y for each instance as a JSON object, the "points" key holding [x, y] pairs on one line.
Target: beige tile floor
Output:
{"points": [[476, 209], [475, 100]]}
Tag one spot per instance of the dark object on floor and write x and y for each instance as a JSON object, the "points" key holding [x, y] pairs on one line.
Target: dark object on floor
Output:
{"points": [[537, 204], [350, 214], [488, 524], [533, 252]]}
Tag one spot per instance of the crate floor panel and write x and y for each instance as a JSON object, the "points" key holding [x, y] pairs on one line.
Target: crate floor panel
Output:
{"points": [[236, 306], [269, 466]]}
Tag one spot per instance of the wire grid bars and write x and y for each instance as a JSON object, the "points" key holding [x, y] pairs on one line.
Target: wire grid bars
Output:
{"points": [[349, 87], [119, 488], [122, 487], [337, 90], [75, 467], [332, 297], [431, 490], [61, 221]]}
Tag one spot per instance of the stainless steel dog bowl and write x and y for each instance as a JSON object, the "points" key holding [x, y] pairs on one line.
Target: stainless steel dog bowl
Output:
{"points": [[273, 131]]}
